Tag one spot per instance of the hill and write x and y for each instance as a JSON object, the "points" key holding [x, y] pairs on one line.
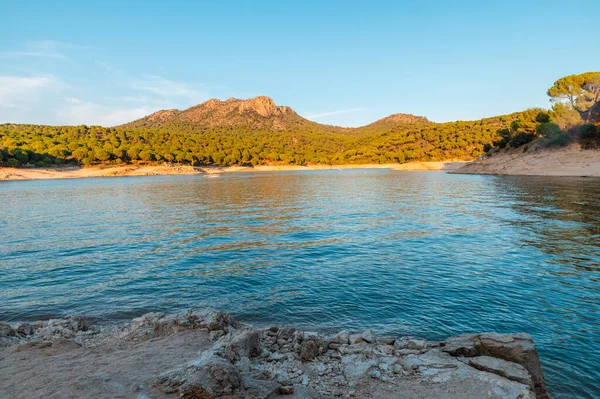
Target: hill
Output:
{"points": [[258, 113], [247, 132], [255, 113]]}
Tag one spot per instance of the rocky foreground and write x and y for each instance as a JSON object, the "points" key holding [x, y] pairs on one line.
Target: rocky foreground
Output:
{"points": [[207, 354]]}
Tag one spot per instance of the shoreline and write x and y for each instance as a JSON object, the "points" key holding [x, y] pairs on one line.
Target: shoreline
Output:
{"points": [[207, 354], [76, 172], [570, 161]]}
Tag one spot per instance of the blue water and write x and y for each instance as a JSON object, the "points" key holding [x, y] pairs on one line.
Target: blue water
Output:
{"points": [[409, 253]]}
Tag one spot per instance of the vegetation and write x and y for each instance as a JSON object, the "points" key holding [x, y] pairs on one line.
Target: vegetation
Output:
{"points": [[256, 132], [46, 145], [575, 115]]}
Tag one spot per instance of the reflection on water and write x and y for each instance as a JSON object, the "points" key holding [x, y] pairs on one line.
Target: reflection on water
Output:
{"points": [[413, 253]]}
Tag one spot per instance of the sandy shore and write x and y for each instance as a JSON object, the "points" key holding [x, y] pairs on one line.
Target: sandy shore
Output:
{"points": [[154, 170], [208, 355], [565, 161]]}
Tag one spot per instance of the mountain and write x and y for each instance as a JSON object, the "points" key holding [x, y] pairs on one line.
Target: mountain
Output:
{"points": [[258, 113]]}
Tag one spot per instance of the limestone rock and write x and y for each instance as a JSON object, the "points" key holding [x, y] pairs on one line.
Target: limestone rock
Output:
{"points": [[510, 370], [354, 338], [309, 350], [368, 336], [6, 330], [517, 348]]}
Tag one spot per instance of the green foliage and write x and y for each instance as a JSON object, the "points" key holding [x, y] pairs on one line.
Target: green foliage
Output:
{"points": [[579, 92], [547, 129], [189, 143]]}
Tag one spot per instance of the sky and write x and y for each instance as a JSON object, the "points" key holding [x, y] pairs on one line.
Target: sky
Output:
{"points": [[344, 63]]}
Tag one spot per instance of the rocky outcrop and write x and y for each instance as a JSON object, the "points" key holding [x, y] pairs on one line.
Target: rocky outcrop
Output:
{"points": [[207, 354], [257, 113], [516, 348]]}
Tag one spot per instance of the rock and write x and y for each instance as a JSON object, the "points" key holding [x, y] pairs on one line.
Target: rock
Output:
{"points": [[354, 338], [309, 350], [244, 364], [517, 348], [25, 329], [214, 335], [343, 337], [257, 385], [384, 350], [6, 330], [286, 333], [510, 370], [360, 348], [368, 336], [286, 389], [387, 340], [410, 343], [376, 373], [244, 344], [461, 345], [209, 377], [397, 368]]}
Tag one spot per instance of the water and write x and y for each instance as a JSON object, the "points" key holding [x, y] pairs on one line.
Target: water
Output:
{"points": [[409, 253]]}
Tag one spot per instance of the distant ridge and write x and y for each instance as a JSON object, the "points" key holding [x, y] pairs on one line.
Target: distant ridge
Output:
{"points": [[255, 113]]}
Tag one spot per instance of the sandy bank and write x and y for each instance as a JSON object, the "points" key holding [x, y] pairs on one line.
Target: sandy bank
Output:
{"points": [[154, 170], [207, 354], [565, 161]]}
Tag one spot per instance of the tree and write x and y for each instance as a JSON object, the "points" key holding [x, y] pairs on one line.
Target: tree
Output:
{"points": [[565, 116], [581, 92]]}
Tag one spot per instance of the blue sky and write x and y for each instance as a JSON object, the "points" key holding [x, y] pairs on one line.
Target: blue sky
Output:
{"points": [[337, 62]]}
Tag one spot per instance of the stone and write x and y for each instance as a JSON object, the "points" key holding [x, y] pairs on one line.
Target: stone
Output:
{"points": [[461, 345], [387, 340], [6, 330], [309, 350], [517, 348], [286, 389], [214, 335], [354, 338], [286, 333], [245, 344], [257, 385], [368, 336], [384, 350], [214, 377], [504, 368], [343, 337], [359, 348], [25, 329]]}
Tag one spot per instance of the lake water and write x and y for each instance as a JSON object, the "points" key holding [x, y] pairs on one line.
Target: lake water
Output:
{"points": [[410, 253]]}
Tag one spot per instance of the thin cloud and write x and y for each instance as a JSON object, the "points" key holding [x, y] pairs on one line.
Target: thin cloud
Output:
{"points": [[16, 90], [166, 88], [41, 49], [77, 111], [332, 113]]}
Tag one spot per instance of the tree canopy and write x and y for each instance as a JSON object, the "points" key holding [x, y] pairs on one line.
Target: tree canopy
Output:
{"points": [[577, 92]]}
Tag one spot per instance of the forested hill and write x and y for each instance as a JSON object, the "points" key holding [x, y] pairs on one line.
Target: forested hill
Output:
{"points": [[258, 113], [247, 132]]}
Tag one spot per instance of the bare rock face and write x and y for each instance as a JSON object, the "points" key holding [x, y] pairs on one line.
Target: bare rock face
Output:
{"points": [[6, 330], [510, 370], [227, 359], [516, 348]]}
